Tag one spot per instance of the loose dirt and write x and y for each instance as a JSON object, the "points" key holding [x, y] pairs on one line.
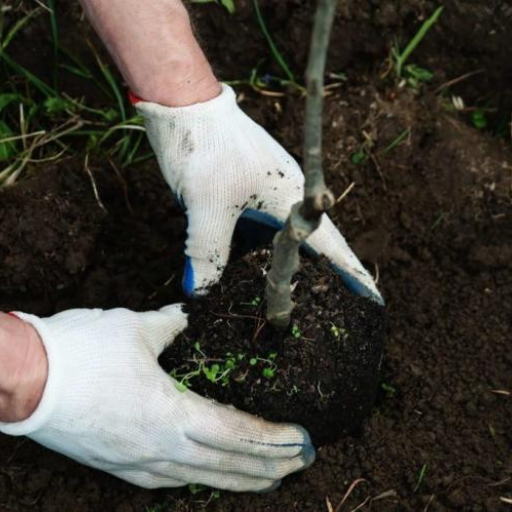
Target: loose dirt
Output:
{"points": [[430, 217]]}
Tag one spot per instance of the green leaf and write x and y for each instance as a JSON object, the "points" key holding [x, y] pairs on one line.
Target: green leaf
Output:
{"points": [[420, 74], [7, 149], [268, 373], [359, 157], [229, 5], [479, 119], [211, 373], [57, 105], [7, 98], [253, 361], [181, 386]]}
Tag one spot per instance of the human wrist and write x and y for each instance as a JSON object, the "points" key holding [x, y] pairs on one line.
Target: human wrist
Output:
{"points": [[23, 369], [158, 55]]}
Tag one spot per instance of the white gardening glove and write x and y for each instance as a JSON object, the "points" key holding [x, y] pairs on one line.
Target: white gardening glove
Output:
{"points": [[109, 405], [221, 165]]}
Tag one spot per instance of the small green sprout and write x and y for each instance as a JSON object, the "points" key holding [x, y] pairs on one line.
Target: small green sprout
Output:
{"points": [[293, 391], [211, 372], [197, 348], [196, 488], [415, 75], [338, 332], [256, 301], [296, 331], [479, 119], [270, 369], [389, 389], [359, 157], [268, 373], [421, 477], [183, 381]]}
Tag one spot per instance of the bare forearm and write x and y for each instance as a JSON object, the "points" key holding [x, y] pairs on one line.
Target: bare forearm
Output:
{"points": [[155, 49], [23, 369]]}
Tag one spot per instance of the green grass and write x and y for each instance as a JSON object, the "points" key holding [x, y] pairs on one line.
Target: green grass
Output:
{"points": [[229, 5], [421, 477], [39, 122], [273, 48], [401, 57]]}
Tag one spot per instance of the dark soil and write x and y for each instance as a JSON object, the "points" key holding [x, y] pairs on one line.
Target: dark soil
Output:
{"points": [[432, 218], [322, 373]]}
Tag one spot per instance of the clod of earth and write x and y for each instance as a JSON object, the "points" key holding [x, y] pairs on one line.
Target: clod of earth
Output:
{"points": [[323, 372]]}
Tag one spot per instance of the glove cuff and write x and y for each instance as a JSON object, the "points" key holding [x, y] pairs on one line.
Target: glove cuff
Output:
{"points": [[222, 104], [50, 397]]}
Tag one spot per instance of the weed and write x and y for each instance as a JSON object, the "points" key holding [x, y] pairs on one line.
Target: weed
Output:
{"points": [[296, 331], [293, 391], [400, 58], [273, 48], [229, 5], [414, 75], [389, 389], [338, 332], [479, 119], [397, 141], [222, 370], [360, 157], [270, 368], [421, 477], [255, 302], [39, 123]]}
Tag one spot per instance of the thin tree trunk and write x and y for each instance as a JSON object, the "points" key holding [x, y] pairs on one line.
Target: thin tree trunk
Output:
{"points": [[305, 216]]}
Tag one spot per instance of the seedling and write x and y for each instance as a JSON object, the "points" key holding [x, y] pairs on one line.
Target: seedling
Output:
{"points": [[479, 119], [270, 369], [255, 302], [389, 389], [296, 331], [220, 372], [397, 141], [415, 76], [360, 157], [338, 332], [199, 488], [293, 391]]}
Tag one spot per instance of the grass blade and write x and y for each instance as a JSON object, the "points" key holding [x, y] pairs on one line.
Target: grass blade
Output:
{"points": [[273, 48], [416, 40]]}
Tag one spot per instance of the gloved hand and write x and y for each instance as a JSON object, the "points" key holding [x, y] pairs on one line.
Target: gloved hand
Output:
{"points": [[109, 405], [222, 165]]}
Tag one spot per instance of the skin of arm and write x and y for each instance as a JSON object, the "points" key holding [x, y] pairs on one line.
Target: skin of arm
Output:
{"points": [[155, 49], [23, 369]]}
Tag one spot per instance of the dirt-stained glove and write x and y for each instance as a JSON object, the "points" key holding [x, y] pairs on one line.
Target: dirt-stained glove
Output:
{"points": [[221, 165], [109, 405]]}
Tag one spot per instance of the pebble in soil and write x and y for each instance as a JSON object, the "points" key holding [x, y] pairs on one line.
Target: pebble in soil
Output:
{"points": [[322, 373]]}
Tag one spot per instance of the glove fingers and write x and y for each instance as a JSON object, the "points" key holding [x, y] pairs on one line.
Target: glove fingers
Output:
{"points": [[163, 326], [148, 480], [210, 230], [328, 241], [215, 478], [225, 428], [202, 456]]}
